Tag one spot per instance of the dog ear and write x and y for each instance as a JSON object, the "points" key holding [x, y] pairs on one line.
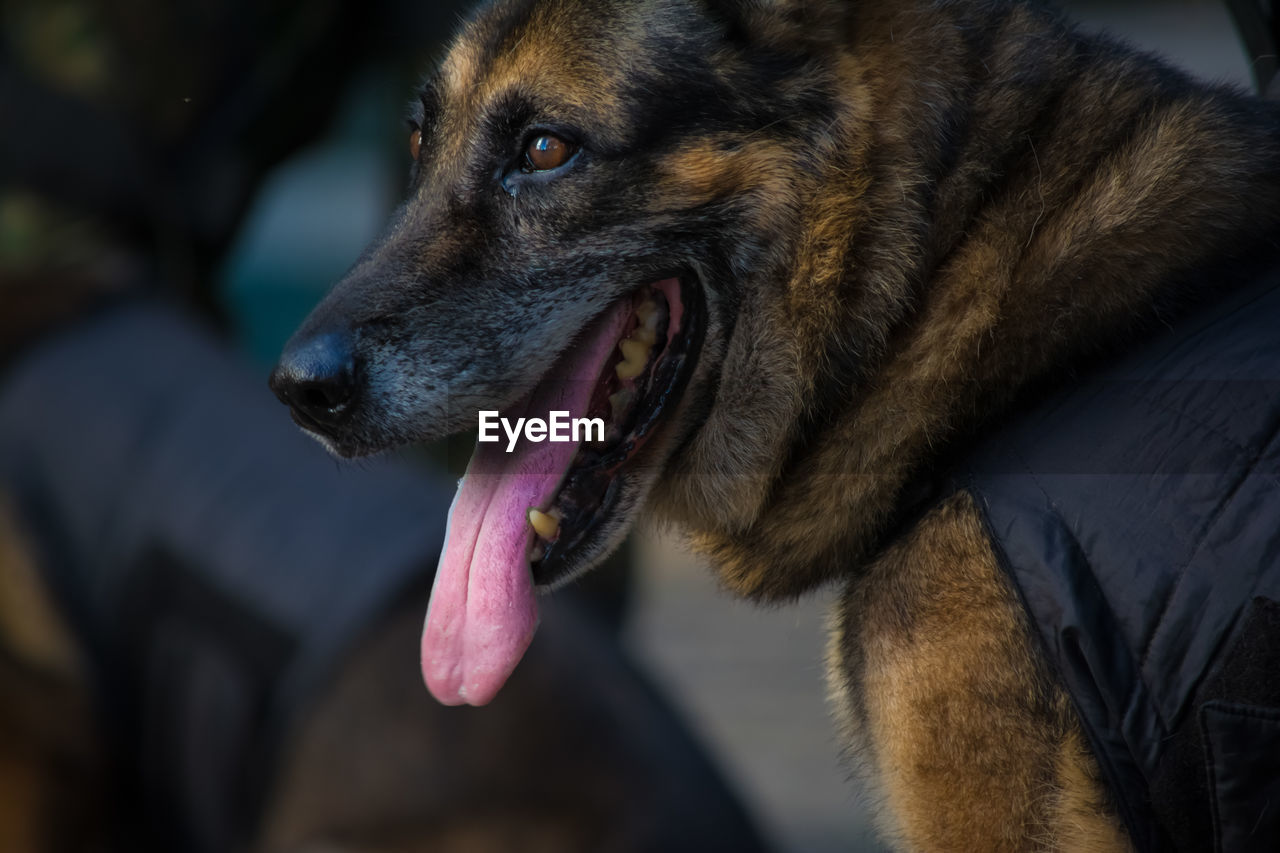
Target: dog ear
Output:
{"points": [[784, 23]]}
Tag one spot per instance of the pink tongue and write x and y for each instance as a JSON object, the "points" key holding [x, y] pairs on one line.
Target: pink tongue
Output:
{"points": [[483, 610]]}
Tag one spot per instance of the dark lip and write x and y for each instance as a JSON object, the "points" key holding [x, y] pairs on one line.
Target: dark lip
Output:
{"points": [[336, 438], [330, 432], [674, 372]]}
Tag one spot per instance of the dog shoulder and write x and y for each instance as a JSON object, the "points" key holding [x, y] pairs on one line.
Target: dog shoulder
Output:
{"points": [[942, 694]]}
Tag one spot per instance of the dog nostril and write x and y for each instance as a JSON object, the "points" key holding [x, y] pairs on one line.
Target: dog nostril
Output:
{"points": [[316, 378], [322, 397]]}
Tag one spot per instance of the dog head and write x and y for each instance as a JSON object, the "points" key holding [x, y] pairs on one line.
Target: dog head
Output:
{"points": [[604, 197]]}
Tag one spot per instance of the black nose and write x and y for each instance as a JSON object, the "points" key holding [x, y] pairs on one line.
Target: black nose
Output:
{"points": [[316, 378]]}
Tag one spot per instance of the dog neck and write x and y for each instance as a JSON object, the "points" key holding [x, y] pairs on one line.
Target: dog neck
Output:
{"points": [[1007, 199]]}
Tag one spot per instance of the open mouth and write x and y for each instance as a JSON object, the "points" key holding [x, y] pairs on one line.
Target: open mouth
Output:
{"points": [[645, 375], [533, 512]]}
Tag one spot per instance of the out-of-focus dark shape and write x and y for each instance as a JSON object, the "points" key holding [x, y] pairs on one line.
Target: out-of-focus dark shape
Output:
{"points": [[136, 132], [212, 562], [1259, 27]]}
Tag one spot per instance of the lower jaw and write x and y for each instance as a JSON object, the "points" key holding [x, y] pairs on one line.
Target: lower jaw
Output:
{"points": [[585, 537], [586, 546]]}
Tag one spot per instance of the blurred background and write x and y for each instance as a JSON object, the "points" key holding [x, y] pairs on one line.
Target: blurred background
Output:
{"points": [[230, 160]]}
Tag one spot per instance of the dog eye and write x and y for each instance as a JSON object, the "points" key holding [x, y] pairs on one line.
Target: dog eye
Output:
{"points": [[547, 152], [415, 143]]}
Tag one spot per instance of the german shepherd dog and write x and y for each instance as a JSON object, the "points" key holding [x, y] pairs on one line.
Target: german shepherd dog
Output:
{"points": [[792, 252]]}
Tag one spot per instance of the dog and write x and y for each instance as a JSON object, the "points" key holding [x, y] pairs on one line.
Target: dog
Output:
{"points": [[801, 257]]}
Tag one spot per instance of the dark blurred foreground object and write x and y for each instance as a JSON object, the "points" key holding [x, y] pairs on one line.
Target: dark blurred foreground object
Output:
{"points": [[136, 131], [234, 592], [1259, 25]]}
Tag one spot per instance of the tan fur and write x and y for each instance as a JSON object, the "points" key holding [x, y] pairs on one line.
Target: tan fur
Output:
{"points": [[973, 744], [1053, 266], [545, 56], [1081, 817], [938, 679], [714, 169]]}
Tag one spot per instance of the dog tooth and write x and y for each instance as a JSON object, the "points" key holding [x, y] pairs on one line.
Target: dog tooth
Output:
{"points": [[629, 369], [647, 309], [539, 551], [546, 526], [645, 335], [634, 351]]}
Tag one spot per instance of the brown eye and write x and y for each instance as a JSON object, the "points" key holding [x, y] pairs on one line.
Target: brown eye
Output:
{"points": [[548, 152], [415, 143]]}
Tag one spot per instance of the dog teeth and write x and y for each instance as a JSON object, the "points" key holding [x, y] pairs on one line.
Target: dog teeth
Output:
{"points": [[635, 355], [648, 315], [546, 526], [634, 351], [626, 370]]}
